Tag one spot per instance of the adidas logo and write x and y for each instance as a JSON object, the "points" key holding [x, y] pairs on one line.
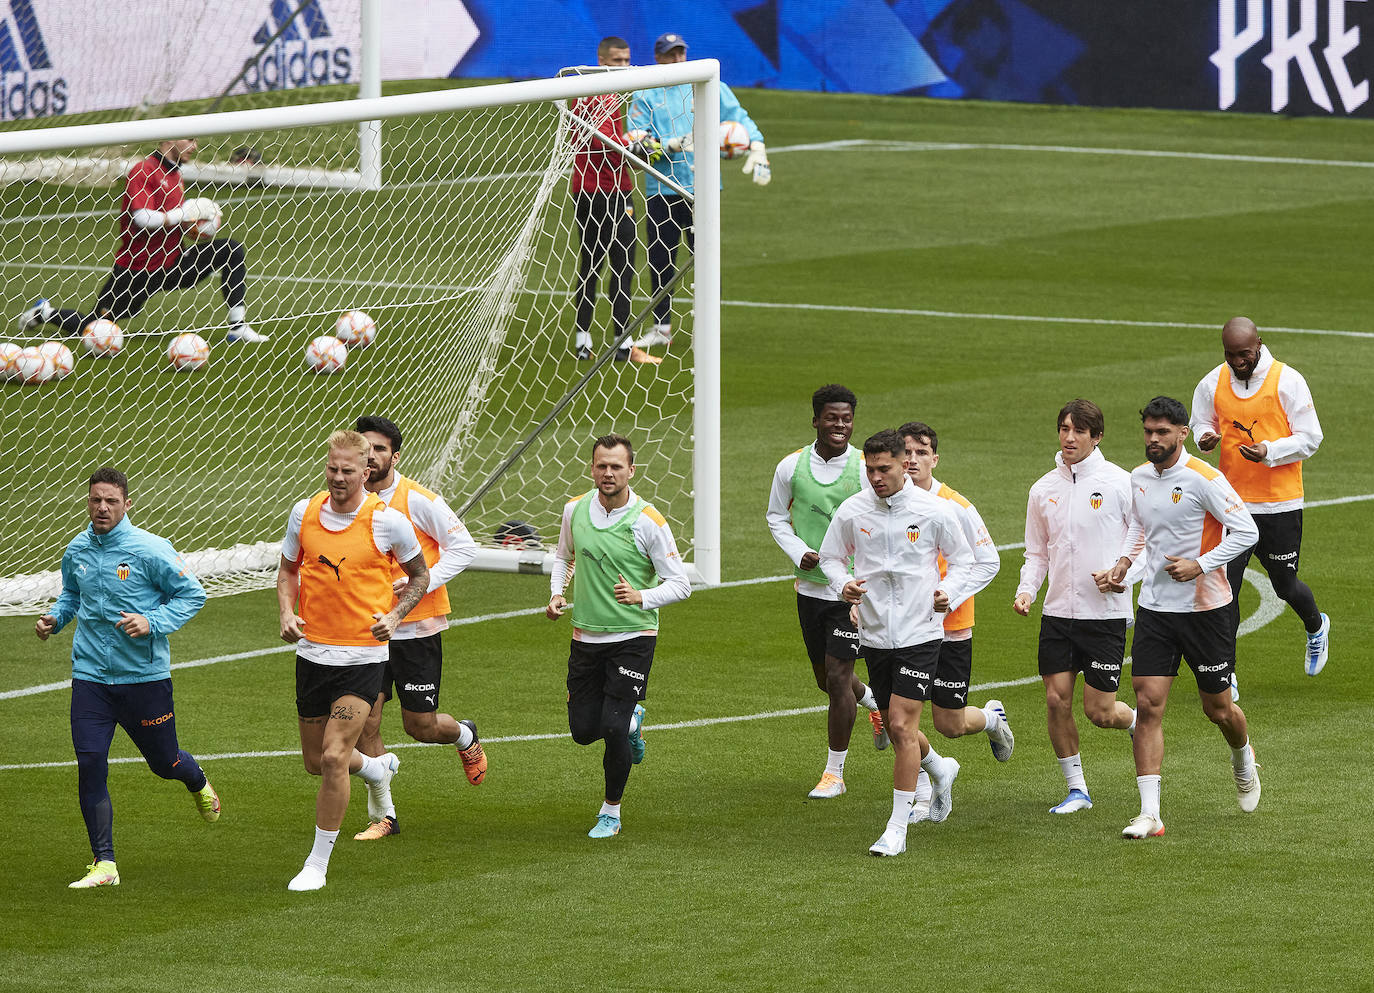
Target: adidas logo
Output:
{"points": [[29, 86], [291, 60]]}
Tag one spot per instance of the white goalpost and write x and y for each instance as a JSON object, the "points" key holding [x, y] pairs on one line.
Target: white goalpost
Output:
{"points": [[463, 249]]}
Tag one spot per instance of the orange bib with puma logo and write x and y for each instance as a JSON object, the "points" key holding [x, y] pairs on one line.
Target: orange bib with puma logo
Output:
{"points": [[1245, 422], [345, 578]]}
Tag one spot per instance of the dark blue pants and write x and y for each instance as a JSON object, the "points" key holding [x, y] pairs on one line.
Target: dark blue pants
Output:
{"points": [[144, 711]]}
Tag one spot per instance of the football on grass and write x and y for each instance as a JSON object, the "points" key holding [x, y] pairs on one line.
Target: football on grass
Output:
{"points": [[355, 329], [326, 354], [188, 351], [103, 338]]}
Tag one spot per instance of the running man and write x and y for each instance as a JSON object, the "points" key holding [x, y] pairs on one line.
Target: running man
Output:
{"points": [[128, 589], [337, 563], [415, 653], [895, 534], [627, 568], [1260, 412], [1076, 521], [808, 486], [153, 218], [1186, 523], [952, 715]]}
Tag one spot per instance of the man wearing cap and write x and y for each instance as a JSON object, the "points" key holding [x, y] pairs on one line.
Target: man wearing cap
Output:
{"points": [[666, 113]]}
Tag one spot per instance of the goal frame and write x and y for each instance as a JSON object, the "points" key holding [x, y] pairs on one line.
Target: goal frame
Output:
{"points": [[369, 112]]}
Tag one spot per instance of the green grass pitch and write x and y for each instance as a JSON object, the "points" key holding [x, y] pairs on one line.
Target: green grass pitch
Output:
{"points": [[867, 264]]}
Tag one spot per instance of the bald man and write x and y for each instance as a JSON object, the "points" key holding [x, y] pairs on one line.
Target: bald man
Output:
{"points": [[1258, 412]]}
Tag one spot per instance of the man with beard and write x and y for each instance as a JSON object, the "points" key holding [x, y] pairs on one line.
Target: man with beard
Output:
{"points": [[1259, 413], [807, 487], [415, 653], [1188, 522]]}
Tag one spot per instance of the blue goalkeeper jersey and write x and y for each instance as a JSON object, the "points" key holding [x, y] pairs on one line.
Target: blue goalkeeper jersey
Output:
{"points": [[666, 112], [131, 570]]}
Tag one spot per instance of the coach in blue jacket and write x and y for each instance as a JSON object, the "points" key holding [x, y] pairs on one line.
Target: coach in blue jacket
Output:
{"points": [[128, 590]]}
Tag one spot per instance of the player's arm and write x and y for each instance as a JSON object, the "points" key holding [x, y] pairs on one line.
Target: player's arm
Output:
{"points": [[836, 549], [958, 583], [1132, 546], [756, 162], [986, 562], [68, 603], [1203, 425], [1239, 531], [654, 539], [1306, 436], [183, 596], [398, 535], [562, 564], [1037, 558], [289, 577], [456, 547], [779, 515]]}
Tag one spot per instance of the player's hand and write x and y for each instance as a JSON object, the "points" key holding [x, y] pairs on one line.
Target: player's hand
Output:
{"points": [[647, 148], [398, 586], [1255, 452], [1207, 441], [1103, 579], [809, 561], [134, 625], [44, 626], [199, 209], [292, 628], [679, 143], [625, 593], [385, 626], [854, 616], [941, 601], [853, 591], [756, 164], [1116, 575], [1022, 604], [1182, 570], [556, 607]]}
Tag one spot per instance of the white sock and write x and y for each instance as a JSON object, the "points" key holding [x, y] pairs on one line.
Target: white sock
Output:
{"points": [[924, 791], [901, 808], [990, 720], [930, 762], [611, 809], [465, 736], [867, 700], [322, 849], [1072, 767], [237, 315], [1243, 758], [373, 771], [584, 339], [1149, 795], [834, 762]]}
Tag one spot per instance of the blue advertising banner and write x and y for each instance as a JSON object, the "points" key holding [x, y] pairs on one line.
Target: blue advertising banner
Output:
{"points": [[1276, 56]]}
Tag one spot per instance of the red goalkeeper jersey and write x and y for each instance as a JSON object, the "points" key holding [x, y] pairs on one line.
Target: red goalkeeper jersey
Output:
{"points": [[597, 168], [152, 185]]}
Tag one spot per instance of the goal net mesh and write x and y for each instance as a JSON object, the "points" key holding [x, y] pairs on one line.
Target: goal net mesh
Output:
{"points": [[465, 259]]}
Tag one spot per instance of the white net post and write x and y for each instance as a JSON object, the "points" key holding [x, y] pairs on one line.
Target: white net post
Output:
{"points": [[369, 86], [706, 331], [465, 257]]}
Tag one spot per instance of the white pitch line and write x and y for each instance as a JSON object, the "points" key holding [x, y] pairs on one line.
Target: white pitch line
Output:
{"points": [[1270, 608]]}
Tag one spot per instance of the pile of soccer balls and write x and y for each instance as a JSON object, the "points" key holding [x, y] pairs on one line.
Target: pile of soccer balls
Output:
{"points": [[328, 353]]}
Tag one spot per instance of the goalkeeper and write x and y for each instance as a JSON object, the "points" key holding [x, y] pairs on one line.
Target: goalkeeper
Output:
{"points": [[666, 113], [153, 217]]}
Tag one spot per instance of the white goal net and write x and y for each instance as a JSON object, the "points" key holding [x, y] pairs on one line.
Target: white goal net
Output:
{"points": [[464, 258]]}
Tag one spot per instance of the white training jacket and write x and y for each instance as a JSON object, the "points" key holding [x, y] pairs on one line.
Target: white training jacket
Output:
{"points": [[896, 543], [1296, 400], [1076, 521], [986, 560], [1189, 511]]}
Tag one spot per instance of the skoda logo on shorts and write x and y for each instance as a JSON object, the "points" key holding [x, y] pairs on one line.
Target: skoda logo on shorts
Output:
{"points": [[1177, 494], [913, 532], [1095, 501]]}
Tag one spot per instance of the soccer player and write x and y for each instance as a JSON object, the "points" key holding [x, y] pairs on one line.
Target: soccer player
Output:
{"points": [[895, 534], [1187, 522], [627, 568], [415, 653], [603, 206], [1260, 412], [952, 715], [1077, 517], [666, 113], [807, 487], [128, 590], [337, 562], [152, 220]]}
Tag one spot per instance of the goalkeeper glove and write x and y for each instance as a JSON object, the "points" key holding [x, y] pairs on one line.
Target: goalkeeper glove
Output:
{"points": [[757, 164], [679, 144], [648, 149], [196, 209]]}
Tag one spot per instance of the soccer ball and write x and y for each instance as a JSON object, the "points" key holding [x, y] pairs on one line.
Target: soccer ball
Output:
{"points": [[212, 217], [9, 356], [32, 366], [102, 338], [734, 139], [355, 329], [326, 354], [188, 351], [63, 362]]}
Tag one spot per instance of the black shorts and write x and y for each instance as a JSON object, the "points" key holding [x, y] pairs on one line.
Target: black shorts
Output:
{"points": [[827, 630], [952, 674], [618, 668], [1096, 648], [1203, 638], [318, 686], [1278, 548], [412, 669], [905, 672]]}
